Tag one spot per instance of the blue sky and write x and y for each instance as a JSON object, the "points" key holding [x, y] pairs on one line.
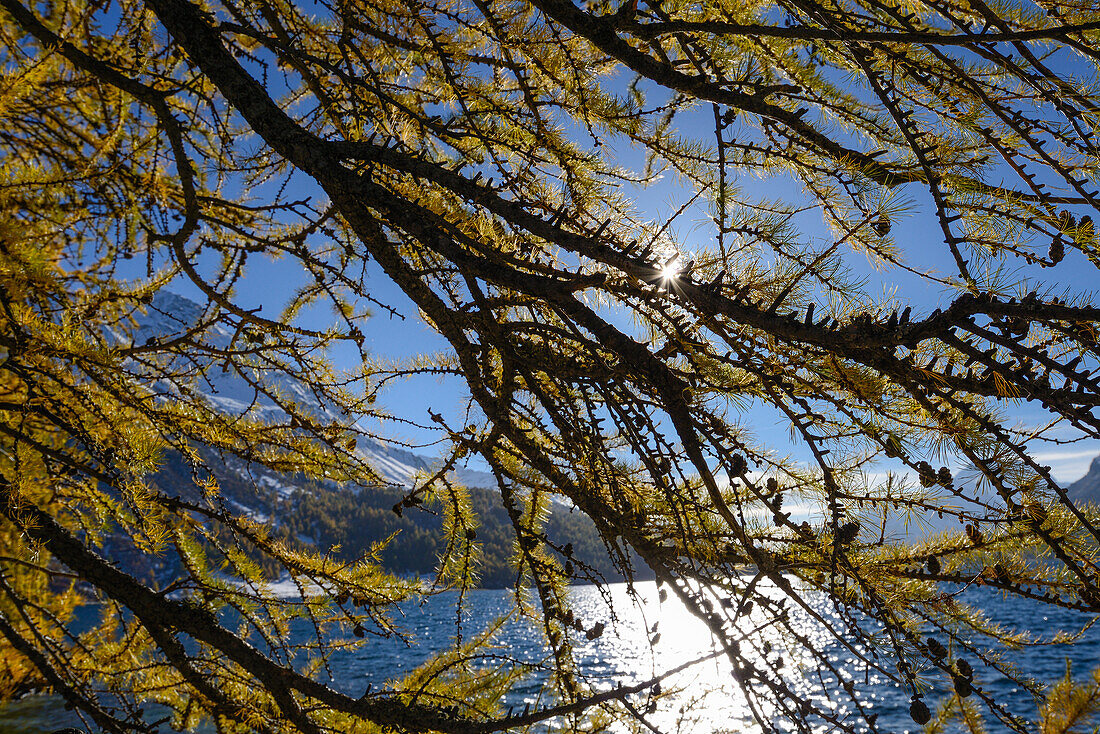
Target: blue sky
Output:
{"points": [[269, 283]]}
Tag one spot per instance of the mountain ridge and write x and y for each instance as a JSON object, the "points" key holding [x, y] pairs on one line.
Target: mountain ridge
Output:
{"points": [[1087, 488], [169, 313]]}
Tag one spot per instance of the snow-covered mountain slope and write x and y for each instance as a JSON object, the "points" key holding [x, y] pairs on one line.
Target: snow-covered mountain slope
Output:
{"points": [[399, 465], [170, 315]]}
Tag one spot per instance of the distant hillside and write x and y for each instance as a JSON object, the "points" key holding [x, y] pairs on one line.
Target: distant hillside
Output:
{"points": [[1087, 488], [355, 521], [328, 516], [347, 523]]}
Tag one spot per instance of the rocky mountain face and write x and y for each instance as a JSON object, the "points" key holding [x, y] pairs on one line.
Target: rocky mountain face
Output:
{"points": [[325, 515], [1087, 488]]}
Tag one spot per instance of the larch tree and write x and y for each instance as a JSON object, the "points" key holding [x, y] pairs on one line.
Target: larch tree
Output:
{"points": [[488, 156]]}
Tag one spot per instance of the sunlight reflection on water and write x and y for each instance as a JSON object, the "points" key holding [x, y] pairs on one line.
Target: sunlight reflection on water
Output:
{"points": [[703, 697], [706, 697]]}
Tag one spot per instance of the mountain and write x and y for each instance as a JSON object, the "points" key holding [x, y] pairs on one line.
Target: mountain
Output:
{"points": [[1087, 488], [228, 392], [343, 521]]}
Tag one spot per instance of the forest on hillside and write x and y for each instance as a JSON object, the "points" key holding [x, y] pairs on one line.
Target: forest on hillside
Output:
{"points": [[349, 524]]}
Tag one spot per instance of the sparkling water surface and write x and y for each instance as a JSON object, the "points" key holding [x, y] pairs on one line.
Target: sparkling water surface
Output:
{"points": [[703, 698]]}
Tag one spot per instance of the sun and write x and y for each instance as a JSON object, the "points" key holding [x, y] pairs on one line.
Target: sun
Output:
{"points": [[671, 269]]}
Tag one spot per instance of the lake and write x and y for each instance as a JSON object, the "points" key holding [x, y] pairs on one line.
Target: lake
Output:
{"points": [[705, 699]]}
